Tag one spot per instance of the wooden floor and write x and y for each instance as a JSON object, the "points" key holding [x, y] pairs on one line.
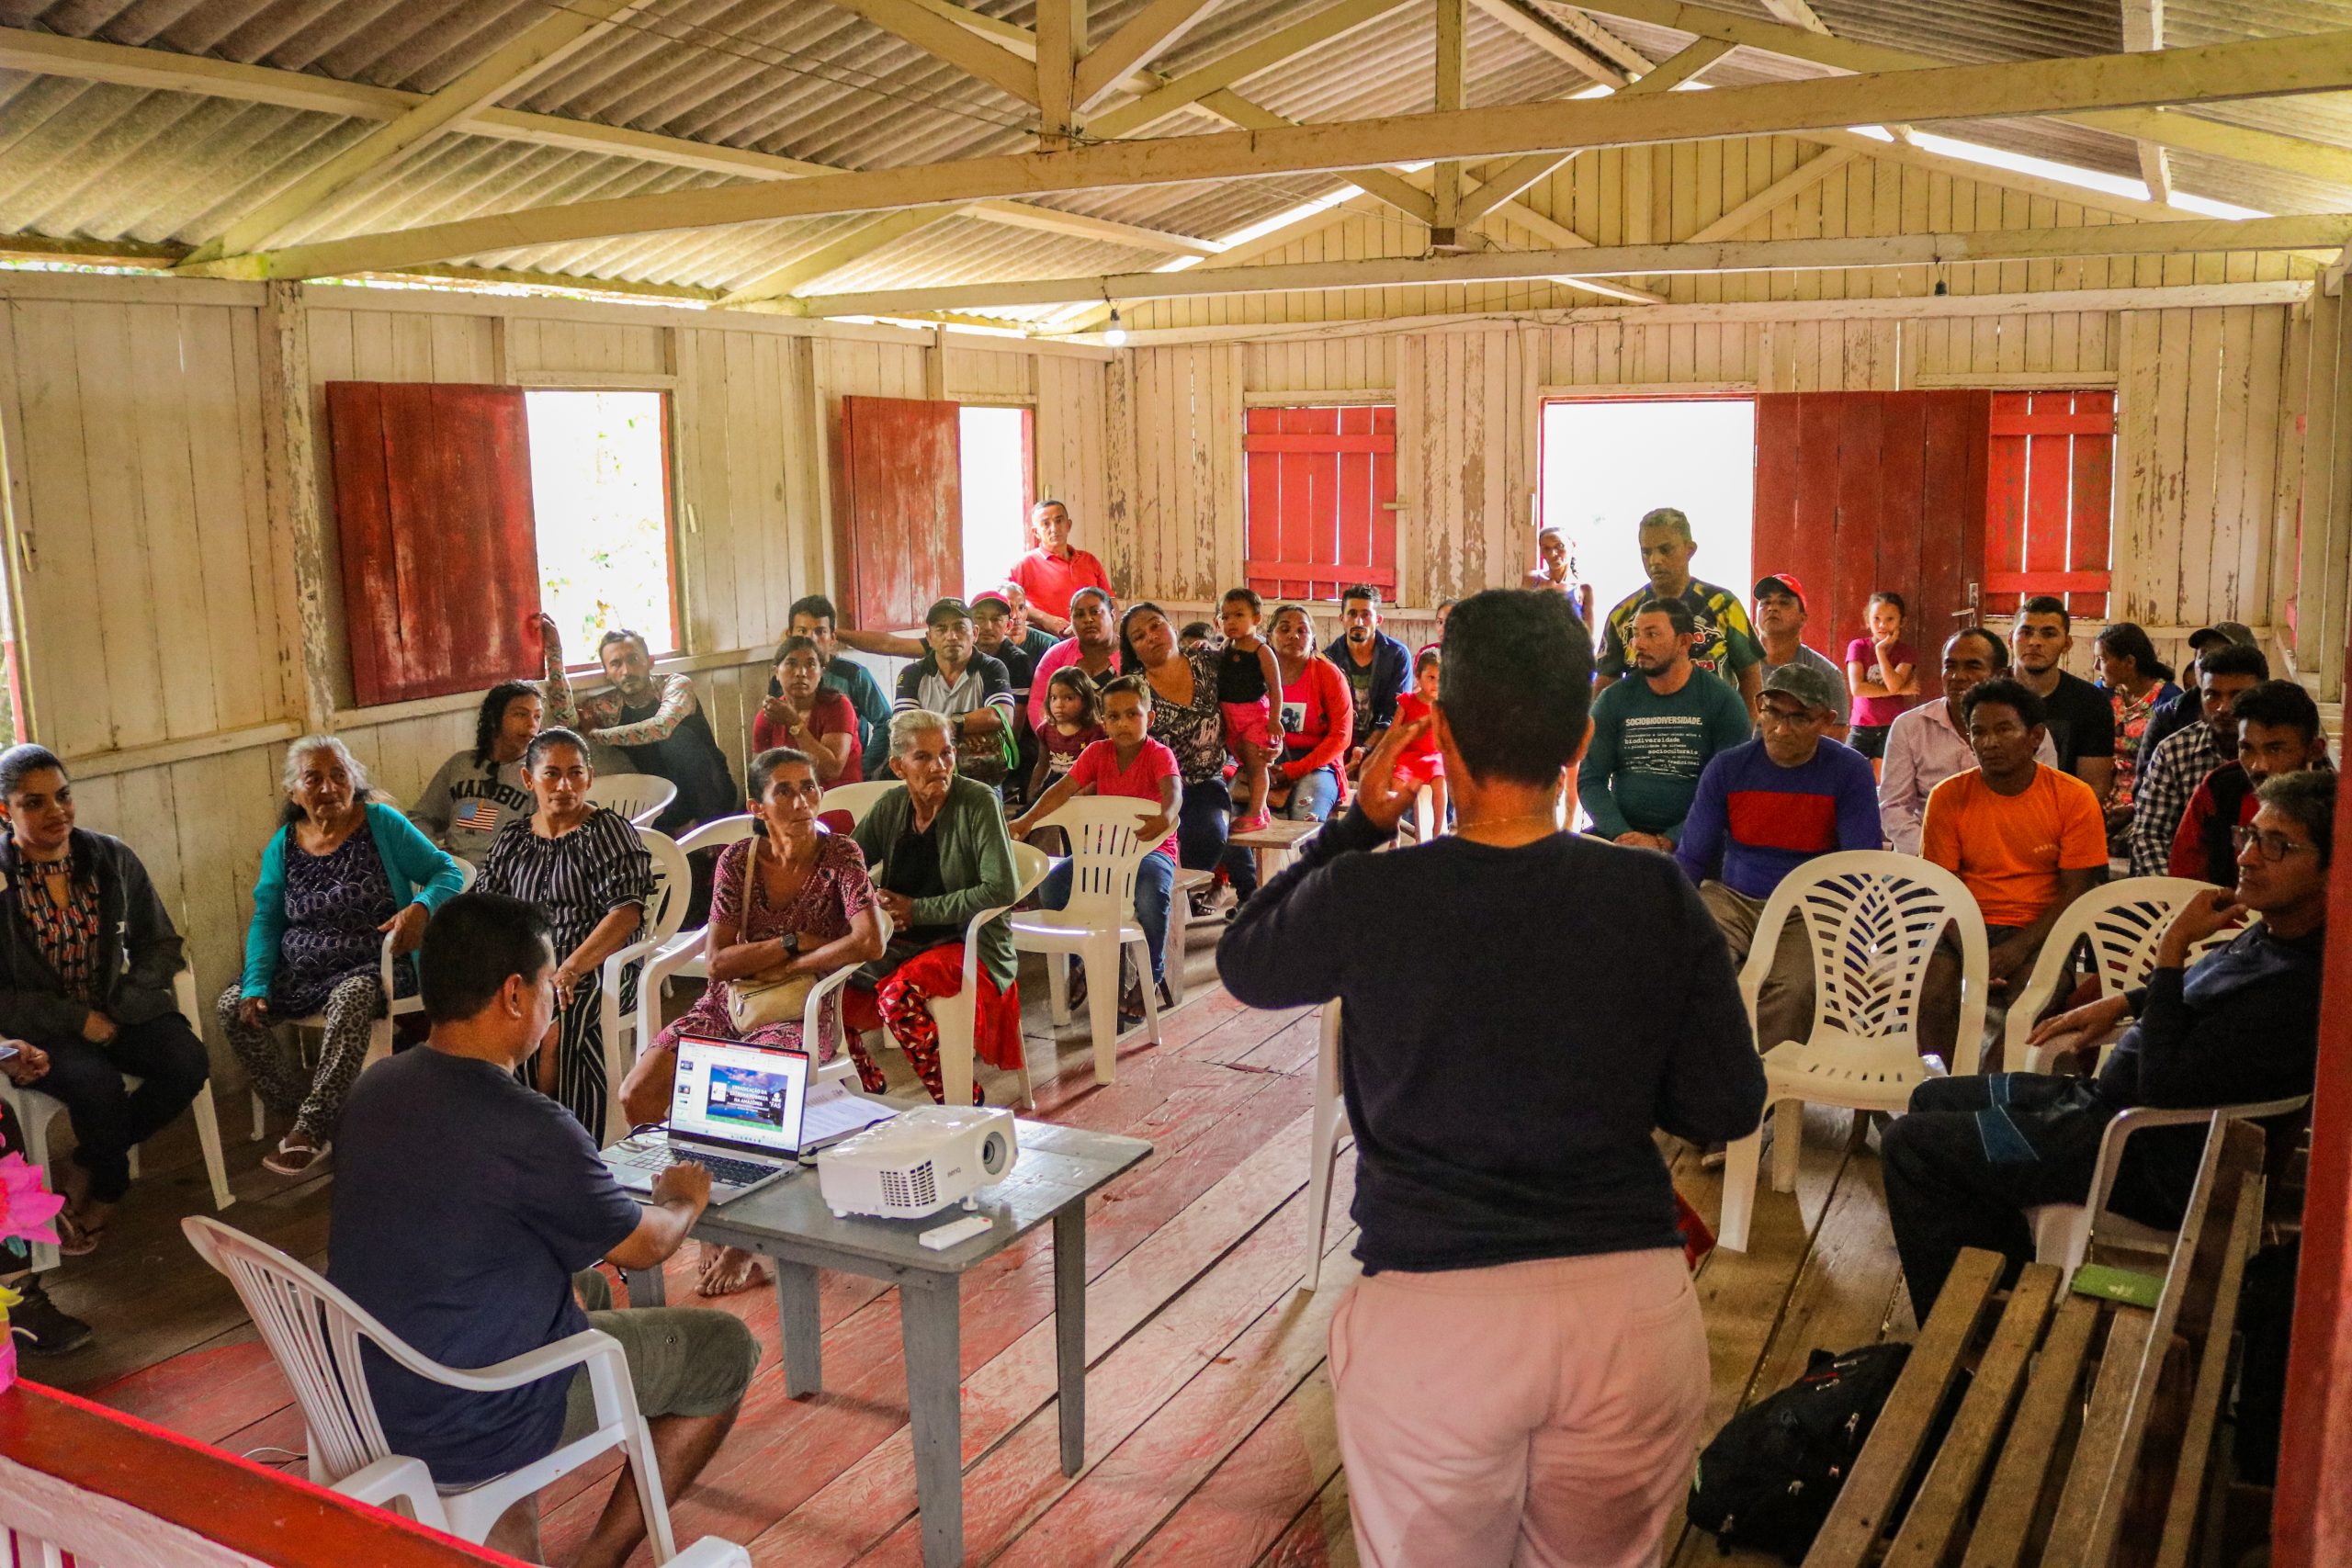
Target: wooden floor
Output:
{"points": [[1210, 1437]]}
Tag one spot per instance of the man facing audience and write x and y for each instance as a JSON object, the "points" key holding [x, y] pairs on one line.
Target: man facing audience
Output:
{"points": [[657, 723], [1378, 668], [1520, 1373], [2241, 1026], [1765, 809], [1779, 621], [2026, 838], [2081, 719], [1927, 743], [1651, 736], [466, 1211], [1725, 645], [2278, 732], [2170, 774]]}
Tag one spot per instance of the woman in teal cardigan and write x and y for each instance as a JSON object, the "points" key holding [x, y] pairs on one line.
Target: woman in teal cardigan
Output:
{"points": [[943, 856], [328, 896]]}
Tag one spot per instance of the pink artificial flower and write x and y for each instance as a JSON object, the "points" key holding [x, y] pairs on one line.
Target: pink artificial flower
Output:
{"points": [[28, 1208]]}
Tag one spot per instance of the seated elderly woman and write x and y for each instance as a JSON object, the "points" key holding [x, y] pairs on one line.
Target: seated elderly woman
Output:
{"points": [[584, 865], [790, 905], [944, 856], [2240, 1026], [327, 895], [87, 957]]}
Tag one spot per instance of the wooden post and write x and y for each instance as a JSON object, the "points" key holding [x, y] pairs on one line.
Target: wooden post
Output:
{"points": [[1451, 48], [291, 471], [2311, 1520]]}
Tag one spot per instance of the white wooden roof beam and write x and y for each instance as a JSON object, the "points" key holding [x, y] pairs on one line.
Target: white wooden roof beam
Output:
{"points": [[1000, 67], [2252, 68], [1159, 26], [2143, 29], [2210, 234]]}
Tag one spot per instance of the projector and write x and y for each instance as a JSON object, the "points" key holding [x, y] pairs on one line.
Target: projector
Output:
{"points": [[917, 1162]]}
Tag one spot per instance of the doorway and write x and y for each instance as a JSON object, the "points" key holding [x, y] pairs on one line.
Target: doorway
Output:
{"points": [[1604, 462]]}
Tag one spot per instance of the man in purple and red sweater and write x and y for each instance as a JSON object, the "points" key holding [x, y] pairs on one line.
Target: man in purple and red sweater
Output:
{"points": [[1762, 810]]}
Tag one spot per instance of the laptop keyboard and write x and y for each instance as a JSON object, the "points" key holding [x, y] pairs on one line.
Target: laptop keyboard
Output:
{"points": [[726, 1172]]}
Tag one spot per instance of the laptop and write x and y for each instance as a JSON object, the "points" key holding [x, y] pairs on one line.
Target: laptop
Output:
{"points": [[746, 1113]]}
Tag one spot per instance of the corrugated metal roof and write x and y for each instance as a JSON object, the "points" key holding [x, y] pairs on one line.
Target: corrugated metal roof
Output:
{"points": [[807, 80]]}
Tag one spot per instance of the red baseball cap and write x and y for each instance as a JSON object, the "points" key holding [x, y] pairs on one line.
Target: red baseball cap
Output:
{"points": [[1783, 581]]}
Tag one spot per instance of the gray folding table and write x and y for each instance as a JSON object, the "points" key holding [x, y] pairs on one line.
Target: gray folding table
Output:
{"points": [[789, 1224]]}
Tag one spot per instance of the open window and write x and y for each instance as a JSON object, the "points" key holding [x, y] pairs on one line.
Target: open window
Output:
{"points": [[1604, 462], [600, 495], [998, 470]]}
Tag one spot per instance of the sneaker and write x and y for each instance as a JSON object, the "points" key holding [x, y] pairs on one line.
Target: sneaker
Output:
{"points": [[41, 1327]]}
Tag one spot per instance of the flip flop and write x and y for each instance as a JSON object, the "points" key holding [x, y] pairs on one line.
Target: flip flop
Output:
{"points": [[75, 1239], [296, 1161]]}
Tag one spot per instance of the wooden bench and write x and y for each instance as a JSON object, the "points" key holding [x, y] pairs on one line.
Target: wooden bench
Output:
{"points": [[2027, 1475]]}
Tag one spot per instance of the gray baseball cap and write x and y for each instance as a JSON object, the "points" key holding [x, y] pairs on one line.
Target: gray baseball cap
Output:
{"points": [[1812, 687], [2219, 633]]}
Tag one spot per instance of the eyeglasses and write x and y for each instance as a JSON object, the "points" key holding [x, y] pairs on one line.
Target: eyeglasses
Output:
{"points": [[2275, 847]]}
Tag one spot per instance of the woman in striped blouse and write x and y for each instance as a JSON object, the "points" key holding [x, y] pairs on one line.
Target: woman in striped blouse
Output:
{"points": [[586, 867]]}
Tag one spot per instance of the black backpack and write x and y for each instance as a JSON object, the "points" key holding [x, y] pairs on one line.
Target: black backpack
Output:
{"points": [[1770, 1476]]}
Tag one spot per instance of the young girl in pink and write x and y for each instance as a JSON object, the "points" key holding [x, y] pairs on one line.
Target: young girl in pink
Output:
{"points": [[1424, 764], [1883, 672], [1073, 722]]}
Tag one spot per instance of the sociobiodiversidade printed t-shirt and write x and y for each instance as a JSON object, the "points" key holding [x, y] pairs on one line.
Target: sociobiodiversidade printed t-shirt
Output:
{"points": [[1647, 751]]}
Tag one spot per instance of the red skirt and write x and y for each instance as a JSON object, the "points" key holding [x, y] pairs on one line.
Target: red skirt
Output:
{"points": [[899, 1005]]}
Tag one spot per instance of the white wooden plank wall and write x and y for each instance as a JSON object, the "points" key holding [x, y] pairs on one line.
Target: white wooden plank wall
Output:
{"points": [[162, 636]]}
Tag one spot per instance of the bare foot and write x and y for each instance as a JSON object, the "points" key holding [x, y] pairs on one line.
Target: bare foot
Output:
{"points": [[726, 1270]]}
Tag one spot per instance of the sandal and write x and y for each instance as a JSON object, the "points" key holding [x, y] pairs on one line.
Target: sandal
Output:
{"points": [[290, 1159], [75, 1239]]}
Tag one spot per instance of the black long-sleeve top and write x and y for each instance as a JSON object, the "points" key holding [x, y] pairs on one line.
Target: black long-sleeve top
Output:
{"points": [[1515, 1023]]}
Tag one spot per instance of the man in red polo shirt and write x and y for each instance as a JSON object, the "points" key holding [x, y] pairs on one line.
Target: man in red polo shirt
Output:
{"points": [[1052, 571]]}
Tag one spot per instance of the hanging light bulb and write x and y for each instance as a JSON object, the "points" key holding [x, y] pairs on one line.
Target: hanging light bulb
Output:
{"points": [[1115, 334]]}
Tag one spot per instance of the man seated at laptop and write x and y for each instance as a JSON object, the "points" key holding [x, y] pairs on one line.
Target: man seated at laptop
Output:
{"points": [[469, 1209]]}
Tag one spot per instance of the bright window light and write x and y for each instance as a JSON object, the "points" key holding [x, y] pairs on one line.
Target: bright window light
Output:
{"points": [[2090, 179], [1602, 464], [600, 489], [994, 444]]}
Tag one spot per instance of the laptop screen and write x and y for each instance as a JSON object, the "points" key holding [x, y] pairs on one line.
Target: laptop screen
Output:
{"points": [[740, 1094]]}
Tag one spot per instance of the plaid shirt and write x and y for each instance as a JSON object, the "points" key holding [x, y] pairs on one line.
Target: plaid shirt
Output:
{"points": [[2160, 794]]}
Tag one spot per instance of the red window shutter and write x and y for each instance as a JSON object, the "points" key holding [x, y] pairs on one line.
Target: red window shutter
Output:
{"points": [[2051, 490], [1320, 485], [439, 543], [899, 511], [1861, 492]]}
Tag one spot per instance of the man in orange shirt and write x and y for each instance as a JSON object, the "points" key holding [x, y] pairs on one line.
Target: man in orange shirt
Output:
{"points": [[2027, 838]]}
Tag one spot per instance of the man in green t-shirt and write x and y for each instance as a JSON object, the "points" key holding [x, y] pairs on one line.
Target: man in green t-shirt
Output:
{"points": [[1654, 735], [1725, 643]]}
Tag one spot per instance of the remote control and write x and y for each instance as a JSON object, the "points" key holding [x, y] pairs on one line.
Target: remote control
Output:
{"points": [[939, 1238]]}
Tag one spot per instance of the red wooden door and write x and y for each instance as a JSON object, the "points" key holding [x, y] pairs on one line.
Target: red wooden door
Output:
{"points": [[899, 509], [1320, 485], [1861, 492], [439, 545], [2050, 489]]}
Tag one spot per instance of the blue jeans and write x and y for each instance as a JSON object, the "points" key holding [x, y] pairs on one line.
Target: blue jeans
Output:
{"points": [[1155, 881], [1312, 797]]}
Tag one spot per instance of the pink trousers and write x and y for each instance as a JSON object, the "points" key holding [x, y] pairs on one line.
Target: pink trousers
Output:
{"points": [[1540, 1414]]}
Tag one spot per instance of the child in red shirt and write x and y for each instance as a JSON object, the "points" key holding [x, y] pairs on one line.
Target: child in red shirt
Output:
{"points": [[1132, 765], [1248, 680], [1073, 722], [1424, 764]]}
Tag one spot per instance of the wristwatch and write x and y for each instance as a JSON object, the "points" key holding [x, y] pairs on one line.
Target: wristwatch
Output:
{"points": [[791, 941]]}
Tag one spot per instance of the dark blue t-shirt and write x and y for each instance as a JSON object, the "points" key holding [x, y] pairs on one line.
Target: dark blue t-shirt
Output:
{"points": [[464, 1202]]}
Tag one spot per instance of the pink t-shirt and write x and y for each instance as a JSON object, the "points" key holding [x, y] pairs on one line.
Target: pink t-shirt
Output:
{"points": [[1139, 780], [1879, 711]]}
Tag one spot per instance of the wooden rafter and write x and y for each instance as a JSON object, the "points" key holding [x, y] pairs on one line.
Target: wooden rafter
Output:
{"points": [[539, 48], [860, 241], [934, 34], [1555, 38], [93, 60], [1061, 28], [1156, 102], [1779, 194], [2143, 28], [1507, 266], [1158, 27], [1452, 64], [2251, 68], [2185, 133]]}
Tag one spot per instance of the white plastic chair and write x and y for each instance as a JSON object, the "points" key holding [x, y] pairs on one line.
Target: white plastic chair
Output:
{"points": [[683, 953], [640, 798], [625, 1033], [858, 799], [314, 1332], [2123, 922], [380, 1036], [399, 1479], [1099, 921], [1324, 1148], [2063, 1232], [957, 1015], [34, 1110], [1874, 919]]}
